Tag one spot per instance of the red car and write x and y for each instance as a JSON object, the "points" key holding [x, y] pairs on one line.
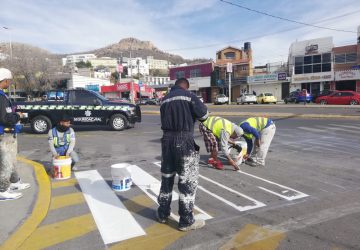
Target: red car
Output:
{"points": [[340, 98]]}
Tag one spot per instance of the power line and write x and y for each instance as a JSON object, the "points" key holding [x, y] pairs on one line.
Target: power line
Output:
{"points": [[261, 36], [283, 18]]}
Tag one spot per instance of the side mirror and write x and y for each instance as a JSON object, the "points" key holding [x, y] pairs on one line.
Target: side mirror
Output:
{"points": [[96, 102]]}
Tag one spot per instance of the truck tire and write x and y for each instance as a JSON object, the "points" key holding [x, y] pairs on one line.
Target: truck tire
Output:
{"points": [[40, 124], [118, 122]]}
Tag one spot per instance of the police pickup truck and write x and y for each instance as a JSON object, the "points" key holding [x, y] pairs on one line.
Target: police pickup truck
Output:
{"points": [[85, 106]]}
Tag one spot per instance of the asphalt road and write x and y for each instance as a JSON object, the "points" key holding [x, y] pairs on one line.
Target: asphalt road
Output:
{"points": [[307, 196], [279, 108]]}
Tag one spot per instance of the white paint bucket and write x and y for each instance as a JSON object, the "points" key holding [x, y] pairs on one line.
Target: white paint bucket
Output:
{"points": [[121, 177], [62, 167], [238, 156]]}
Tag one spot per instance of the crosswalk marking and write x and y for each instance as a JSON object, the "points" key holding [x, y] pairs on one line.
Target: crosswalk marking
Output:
{"points": [[344, 130], [151, 186], [345, 126], [64, 183], [114, 221], [59, 232], [313, 129], [66, 200]]}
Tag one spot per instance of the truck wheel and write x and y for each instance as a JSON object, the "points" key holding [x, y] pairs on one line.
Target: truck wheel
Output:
{"points": [[40, 124], [118, 122]]}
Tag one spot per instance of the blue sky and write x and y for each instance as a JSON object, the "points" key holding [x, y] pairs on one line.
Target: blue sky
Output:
{"points": [[176, 26]]}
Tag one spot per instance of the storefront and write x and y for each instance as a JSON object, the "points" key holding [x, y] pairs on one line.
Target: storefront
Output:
{"points": [[313, 83], [124, 90], [269, 83], [348, 80]]}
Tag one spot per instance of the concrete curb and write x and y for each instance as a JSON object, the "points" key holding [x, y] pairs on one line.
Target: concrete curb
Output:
{"points": [[39, 211], [277, 115]]}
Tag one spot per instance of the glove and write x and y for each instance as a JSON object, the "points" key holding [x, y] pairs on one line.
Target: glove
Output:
{"points": [[237, 147]]}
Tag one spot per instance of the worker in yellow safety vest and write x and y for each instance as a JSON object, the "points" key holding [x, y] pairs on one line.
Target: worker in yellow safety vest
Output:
{"points": [[259, 131], [218, 134]]}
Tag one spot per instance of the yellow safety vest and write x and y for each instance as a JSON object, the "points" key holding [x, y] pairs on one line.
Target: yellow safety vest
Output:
{"points": [[258, 123], [216, 124]]}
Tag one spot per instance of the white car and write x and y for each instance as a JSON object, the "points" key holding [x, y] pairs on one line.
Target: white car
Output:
{"points": [[246, 98], [221, 99]]}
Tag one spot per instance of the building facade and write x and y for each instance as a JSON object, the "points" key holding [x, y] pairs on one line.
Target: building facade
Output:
{"points": [[90, 83], [124, 90], [311, 65], [156, 80], [136, 66], [71, 60], [241, 60], [157, 63], [104, 62], [199, 76], [347, 66]]}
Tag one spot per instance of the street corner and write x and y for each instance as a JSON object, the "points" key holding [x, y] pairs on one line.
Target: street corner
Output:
{"points": [[22, 216]]}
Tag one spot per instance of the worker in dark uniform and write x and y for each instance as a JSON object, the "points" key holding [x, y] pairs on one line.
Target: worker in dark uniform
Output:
{"points": [[180, 155], [9, 127]]}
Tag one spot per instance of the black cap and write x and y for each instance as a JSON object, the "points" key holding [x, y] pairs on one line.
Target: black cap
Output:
{"points": [[66, 118]]}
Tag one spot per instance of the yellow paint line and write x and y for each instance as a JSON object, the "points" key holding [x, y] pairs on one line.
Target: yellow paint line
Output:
{"points": [[40, 209], [50, 235], [138, 203], [64, 183], [253, 237], [66, 200], [158, 236]]}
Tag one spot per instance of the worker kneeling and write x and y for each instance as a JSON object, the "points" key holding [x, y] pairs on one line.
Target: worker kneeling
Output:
{"points": [[262, 131], [62, 140], [218, 134]]}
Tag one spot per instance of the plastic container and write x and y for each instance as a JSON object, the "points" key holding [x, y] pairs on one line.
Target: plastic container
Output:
{"points": [[62, 167], [238, 157], [121, 177]]}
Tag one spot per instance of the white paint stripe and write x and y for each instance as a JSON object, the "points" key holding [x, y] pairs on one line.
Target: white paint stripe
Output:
{"points": [[240, 208], [114, 221], [345, 126], [289, 198], [344, 130], [257, 204], [146, 181], [313, 129]]}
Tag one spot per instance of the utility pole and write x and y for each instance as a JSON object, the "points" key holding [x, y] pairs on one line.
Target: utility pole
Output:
{"points": [[132, 83], [138, 66], [11, 58], [229, 70]]}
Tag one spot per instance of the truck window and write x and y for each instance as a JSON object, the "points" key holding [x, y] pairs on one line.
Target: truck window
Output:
{"points": [[82, 98]]}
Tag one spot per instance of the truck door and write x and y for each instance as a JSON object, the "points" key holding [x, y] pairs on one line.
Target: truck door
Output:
{"points": [[86, 108]]}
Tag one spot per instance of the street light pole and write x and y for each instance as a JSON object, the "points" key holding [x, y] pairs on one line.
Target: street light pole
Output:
{"points": [[10, 43]]}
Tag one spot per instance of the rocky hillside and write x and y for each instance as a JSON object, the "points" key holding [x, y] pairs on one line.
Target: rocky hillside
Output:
{"points": [[140, 49]]}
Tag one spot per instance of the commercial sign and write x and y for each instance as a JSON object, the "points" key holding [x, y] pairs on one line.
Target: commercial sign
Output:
{"points": [[311, 49], [257, 79], [229, 68], [347, 75], [315, 77], [120, 68]]}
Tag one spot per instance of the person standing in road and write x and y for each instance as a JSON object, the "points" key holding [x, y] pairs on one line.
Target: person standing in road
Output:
{"points": [[62, 140], [180, 155], [262, 130], [9, 128], [304, 92], [217, 133]]}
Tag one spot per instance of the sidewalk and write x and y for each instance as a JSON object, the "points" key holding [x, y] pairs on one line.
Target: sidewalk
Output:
{"points": [[14, 213]]}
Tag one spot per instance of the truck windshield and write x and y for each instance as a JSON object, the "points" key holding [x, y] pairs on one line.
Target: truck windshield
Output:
{"points": [[99, 96]]}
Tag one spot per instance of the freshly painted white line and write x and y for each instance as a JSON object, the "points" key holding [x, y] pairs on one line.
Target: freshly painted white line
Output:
{"points": [[344, 130], [257, 204], [345, 126], [147, 182], [114, 221], [298, 196]]}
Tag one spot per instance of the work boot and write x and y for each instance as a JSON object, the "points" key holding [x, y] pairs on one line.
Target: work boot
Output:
{"points": [[159, 219], [219, 165], [196, 225], [19, 185], [254, 164], [211, 161], [7, 195]]}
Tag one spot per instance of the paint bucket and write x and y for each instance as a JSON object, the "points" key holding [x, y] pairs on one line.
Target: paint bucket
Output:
{"points": [[238, 156], [121, 177], [62, 167]]}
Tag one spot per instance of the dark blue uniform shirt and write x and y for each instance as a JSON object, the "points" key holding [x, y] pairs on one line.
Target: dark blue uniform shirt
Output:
{"points": [[180, 109]]}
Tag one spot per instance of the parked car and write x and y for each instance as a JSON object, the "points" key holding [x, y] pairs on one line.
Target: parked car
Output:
{"points": [[340, 98], [148, 101], [246, 98], [298, 96], [221, 99], [266, 98], [323, 93]]}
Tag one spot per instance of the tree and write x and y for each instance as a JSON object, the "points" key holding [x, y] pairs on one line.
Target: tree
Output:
{"points": [[83, 64]]}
